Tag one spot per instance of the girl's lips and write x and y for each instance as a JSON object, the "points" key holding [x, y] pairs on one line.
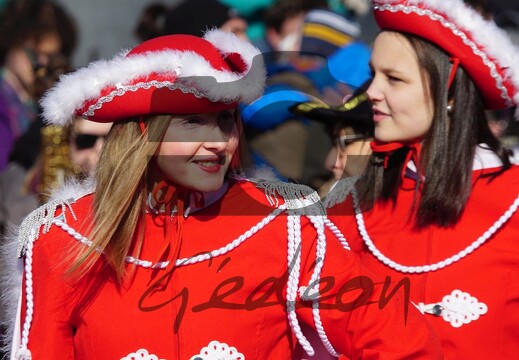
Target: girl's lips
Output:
{"points": [[378, 115], [210, 165]]}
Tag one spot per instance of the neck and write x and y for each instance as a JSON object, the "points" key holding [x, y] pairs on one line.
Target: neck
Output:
{"points": [[166, 196]]}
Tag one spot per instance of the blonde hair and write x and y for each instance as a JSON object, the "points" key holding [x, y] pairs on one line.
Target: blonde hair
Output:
{"points": [[121, 193]]}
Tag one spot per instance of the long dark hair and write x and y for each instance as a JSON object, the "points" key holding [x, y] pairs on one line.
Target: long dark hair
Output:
{"points": [[447, 149]]}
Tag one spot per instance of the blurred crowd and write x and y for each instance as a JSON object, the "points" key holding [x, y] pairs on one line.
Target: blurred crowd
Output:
{"points": [[312, 126]]}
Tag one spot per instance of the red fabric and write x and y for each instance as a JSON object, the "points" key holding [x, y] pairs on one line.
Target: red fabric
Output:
{"points": [[98, 320], [414, 150], [489, 273]]}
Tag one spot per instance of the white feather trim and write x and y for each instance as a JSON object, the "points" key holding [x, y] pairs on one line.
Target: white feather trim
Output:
{"points": [[74, 189], [260, 173], [252, 84], [11, 270], [73, 90], [486, 34]]}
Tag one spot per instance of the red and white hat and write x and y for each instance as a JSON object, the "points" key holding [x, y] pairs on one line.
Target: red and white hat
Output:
{"points": [[174, 74], [484, 50]]}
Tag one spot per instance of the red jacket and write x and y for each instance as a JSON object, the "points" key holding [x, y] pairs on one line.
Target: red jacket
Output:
{"points": [[482, 282], [237, 299]]}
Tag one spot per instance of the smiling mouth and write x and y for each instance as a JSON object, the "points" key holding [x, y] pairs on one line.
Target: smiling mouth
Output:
{"points": [[211, 162]]}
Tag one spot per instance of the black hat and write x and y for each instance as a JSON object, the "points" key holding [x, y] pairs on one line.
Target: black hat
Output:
{"points": [[194, 17], [355, 111]]}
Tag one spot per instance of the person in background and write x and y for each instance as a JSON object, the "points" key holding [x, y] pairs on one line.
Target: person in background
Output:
{"points": [[283, 28], [32, 33], [437, 206], [350, 128], [170, 222], [86, 141], [328, 61], [194, 17], [151, 21]]}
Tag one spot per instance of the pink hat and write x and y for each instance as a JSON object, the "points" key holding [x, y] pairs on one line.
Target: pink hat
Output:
{"points": [[484, 50], [174, 74]]}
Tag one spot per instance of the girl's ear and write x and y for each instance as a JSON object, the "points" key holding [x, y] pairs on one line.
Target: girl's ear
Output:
{"points": [[450, 104]]}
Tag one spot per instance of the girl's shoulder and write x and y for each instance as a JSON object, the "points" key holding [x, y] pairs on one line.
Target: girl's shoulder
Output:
{"points": [[68, 213], [272, 193]]}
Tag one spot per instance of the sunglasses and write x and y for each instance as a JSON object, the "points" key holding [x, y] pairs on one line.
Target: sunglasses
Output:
{"points": [[345, 140], [86, 141]]}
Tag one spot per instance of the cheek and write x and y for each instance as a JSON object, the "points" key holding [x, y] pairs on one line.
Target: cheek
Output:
{"points": [[233, 142], [177, 148], [355, 148]]}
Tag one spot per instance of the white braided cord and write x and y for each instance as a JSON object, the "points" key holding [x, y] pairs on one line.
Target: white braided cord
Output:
{"points": [[315, 280], [233, 244], [184, 261], [294, 263], [23, 353], [337, 233], [440, 264]]}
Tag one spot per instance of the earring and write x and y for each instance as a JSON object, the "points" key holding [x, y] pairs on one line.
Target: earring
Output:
{"points": [[449, 108]]}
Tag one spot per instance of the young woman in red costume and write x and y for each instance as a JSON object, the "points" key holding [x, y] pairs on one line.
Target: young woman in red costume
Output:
{"points": [[437, 204], [169, 254]]}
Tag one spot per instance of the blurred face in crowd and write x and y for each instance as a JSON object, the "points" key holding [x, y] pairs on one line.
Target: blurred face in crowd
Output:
{"points": [[238, 26], [289, 36], [86, 141], [23, 62], [197, 149], [349, 155], [402, 108]]}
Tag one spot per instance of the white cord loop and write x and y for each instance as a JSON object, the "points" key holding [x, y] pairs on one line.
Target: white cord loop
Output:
{"points": [[440, 264]]}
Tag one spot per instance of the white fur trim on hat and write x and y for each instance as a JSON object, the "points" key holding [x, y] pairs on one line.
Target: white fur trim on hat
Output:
{"points": [[62, 101]]}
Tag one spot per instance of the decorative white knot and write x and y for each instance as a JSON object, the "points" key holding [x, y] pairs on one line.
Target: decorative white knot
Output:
{"points": [[458, 308], [141, 354], [218, 351], [461, 308]]}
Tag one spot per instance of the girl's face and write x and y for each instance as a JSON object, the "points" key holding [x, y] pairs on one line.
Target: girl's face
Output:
{"points": [[402, 108], [197, 149], [21, 61], [348, 157]]}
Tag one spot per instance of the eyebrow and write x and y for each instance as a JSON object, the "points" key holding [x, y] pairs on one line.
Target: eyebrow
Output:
{"points": [[391, 70]]}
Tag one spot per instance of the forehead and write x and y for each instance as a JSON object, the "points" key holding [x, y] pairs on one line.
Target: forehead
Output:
{"points": [[393, 50], [82, 126], [48, 43]]}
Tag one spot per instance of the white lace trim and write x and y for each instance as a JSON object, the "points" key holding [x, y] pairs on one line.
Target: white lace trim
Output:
{"points": [[141, 354], [458, 308], [407, 9], [218, 351], [440, 264]]}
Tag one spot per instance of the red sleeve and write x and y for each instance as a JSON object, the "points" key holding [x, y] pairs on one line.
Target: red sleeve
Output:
{"points": [[361, 319], [51, 335]]}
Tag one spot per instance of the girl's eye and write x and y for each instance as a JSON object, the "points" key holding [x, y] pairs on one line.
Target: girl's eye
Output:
{"points": [[393, 78], [192, 121]]}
